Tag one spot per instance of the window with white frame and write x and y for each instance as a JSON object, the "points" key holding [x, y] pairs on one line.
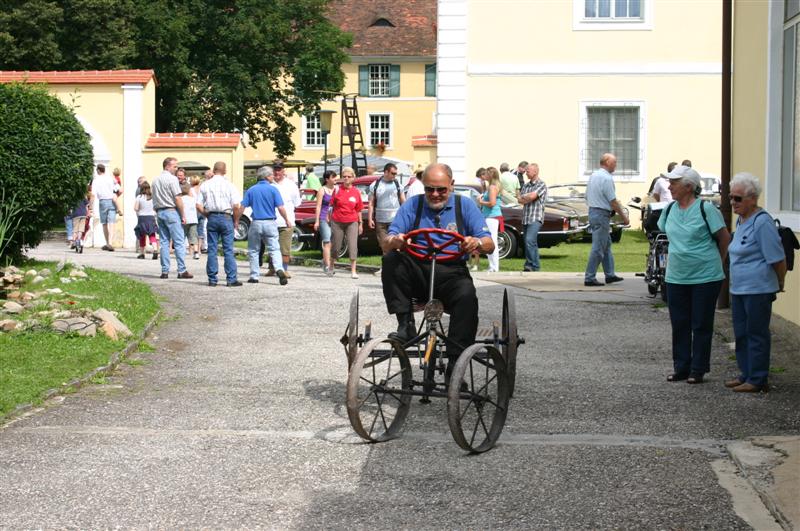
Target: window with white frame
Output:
{"points": [[379, 80], [613, 14], [790, 144], [312, 136], [613, 127], [380, 130]]}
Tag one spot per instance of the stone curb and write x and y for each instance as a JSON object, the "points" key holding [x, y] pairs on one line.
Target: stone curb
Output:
{"points": [[103, 370], [769, 501]]}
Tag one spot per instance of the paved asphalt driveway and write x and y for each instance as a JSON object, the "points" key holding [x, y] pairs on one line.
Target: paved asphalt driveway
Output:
{"points": [[237, 421]]}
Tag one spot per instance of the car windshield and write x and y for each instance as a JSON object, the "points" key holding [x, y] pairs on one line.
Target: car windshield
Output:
{"points": [[566, 191]]}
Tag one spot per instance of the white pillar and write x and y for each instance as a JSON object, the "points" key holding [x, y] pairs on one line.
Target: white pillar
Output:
{"points": [[451, 86], [132, 137]]}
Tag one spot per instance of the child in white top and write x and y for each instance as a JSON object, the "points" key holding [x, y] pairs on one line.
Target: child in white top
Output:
{"points": [[190, 215]]}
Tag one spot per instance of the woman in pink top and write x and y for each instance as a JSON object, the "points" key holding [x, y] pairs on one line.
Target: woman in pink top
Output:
{"points": [[346, 206]]}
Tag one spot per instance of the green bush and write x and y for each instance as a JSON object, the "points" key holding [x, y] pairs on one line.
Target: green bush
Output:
{"points": [[46, 161]]}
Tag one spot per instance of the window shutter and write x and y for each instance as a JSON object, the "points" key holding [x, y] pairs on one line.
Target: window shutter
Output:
{"points": [[394, 81], [430, 80], [363, 80]]}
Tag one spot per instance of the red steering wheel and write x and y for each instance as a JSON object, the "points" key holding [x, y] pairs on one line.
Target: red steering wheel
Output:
{"points": [[440, 250]]}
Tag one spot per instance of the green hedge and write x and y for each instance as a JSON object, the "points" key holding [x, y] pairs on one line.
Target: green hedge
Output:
{"points": [[46, 160]]}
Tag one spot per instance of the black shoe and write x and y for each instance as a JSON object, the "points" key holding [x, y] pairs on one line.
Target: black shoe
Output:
{"points": [[140, 257], [282, 277], [155, 255], [406, 328], [615, 278], [212, 284], [695, 379], [593, 283], [234, 284], [164, 275], [675, 377], [185, 274], [252, 281]]}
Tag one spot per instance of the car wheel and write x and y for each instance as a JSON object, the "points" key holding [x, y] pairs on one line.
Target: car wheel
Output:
{"points": [[616, 235], [506, 244], [297, 244], [240, 232]]}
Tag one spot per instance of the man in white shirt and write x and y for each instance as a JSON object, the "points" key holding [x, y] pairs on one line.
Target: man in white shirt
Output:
{"points": [[220, 202], [510, 186], [661, 189], [290, 194], [385, 198], [168, 205], [105, 189]]}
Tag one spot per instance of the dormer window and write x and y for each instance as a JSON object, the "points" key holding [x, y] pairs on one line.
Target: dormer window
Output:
{"points": [[382, 22]]}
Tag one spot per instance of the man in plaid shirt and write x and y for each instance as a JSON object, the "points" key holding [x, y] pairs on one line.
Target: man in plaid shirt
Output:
{"points": [[533, 196]]}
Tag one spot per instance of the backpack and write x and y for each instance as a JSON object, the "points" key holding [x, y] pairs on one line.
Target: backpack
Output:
{"points": [[374, 186], [788, 240], [702, 213]]}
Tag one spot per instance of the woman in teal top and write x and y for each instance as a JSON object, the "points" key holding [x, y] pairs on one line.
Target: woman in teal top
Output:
{"points": [[698, 244], [490, 208]]}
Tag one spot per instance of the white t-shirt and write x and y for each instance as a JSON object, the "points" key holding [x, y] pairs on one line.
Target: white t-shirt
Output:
{"points": [[291, 199], [662, 189], [104, 186], [387, 199], [189, 209], [145, 206], [415, 188]]}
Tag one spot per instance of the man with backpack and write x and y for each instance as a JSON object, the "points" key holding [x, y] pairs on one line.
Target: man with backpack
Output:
{"points": [[385, 197]]}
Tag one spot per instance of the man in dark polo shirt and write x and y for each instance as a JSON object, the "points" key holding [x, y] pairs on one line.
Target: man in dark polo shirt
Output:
{"points": [[264, 199]]}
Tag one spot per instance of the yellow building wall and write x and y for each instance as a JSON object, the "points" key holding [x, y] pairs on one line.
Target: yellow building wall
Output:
{"points": [[232, 157], [539, 120], [518, 31], [750, 53], [412, 115]]}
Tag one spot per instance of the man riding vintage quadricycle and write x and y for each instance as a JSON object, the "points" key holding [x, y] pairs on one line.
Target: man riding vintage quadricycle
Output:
{"points": [[425, 260]]}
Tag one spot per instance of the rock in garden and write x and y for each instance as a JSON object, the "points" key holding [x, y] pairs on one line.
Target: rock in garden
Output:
{"points": [[65, 280], [109, 318], [13, 295], [77, 273], [11, 270], [55, 291], [9, 325], [109, 330], [12, 307], [31, 273], [84, 327], [45, 272], [28, 296], [38, 279], [63, 314]]}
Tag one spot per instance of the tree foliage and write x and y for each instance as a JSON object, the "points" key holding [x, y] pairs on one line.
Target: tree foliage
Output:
{"points": [[221, 65], [46, 160]]}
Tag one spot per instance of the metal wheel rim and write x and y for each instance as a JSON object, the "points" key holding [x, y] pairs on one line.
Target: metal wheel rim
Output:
{"points": [[376, 413], [478, 415], [509, 335], [352, 330], [503, 245]]}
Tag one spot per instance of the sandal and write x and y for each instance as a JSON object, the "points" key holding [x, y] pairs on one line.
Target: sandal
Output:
{"points": [[698, 379], [675, 377]]}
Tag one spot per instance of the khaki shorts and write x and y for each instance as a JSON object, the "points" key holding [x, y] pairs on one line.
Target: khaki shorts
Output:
{"points": [[382, 232], [285, 239], [190, 233]]}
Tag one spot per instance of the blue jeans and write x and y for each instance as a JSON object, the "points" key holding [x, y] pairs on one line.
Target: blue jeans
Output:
{"points": [[68, 225], [170, 228], [751, 315], [263, 232], [601, 244], [691, 311], [532, 246], [219, 227]]}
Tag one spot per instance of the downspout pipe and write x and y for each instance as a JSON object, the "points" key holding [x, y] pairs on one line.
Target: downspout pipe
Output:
{"points": [[725, 185]]}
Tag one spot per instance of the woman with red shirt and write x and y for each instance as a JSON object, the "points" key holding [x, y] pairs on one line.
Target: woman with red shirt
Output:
{"points": [[345, 214]]}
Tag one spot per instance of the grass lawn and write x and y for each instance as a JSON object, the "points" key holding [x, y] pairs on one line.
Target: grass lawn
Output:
{"points": [[33, 361], [630, 254]]}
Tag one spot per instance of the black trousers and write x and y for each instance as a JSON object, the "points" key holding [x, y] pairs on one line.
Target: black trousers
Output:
{"points": [[405, 278]]}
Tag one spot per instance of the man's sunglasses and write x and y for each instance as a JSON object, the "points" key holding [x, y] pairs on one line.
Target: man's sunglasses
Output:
{"points": [[438, 189], [737, 198]]}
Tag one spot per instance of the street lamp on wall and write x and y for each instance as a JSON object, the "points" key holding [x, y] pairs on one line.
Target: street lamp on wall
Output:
{"points": [[325, 120]]}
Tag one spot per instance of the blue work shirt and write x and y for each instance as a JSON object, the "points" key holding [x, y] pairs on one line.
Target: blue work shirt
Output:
{"points": [[600, 191], [474, 222], [754, 248], [264, 199]]}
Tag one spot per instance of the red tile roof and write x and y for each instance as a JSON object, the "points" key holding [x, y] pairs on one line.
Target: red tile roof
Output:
{"points": [[79, 77], [413, 34], [193, 140]]}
